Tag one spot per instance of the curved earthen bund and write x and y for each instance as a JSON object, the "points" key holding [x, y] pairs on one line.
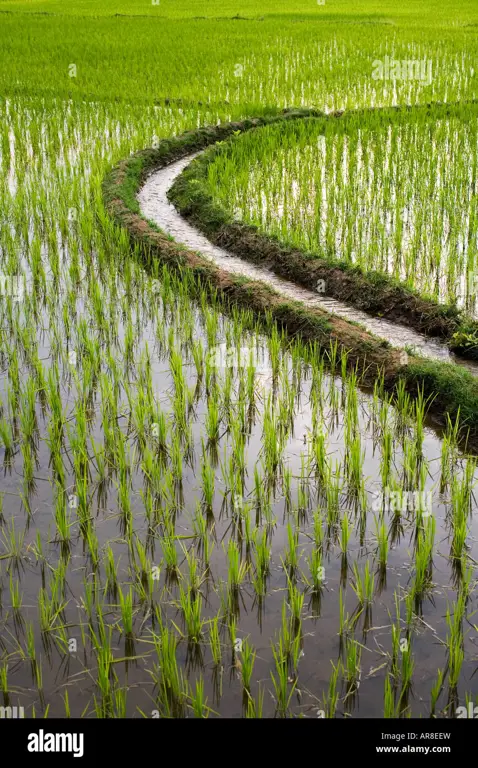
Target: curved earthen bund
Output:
{"points": [[155, 206]]}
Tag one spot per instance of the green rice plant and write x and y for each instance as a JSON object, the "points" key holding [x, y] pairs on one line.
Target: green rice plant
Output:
{"points": [[435, 692], [449, 452], [213, 420], [316, 570], [386, 458], [353, 466], [30, 636], [237, 568], [423, 560], [296, 603], [460, 502], [248, 657], [262, 561], [15, 595], [191, 607], [331, 700], [141, 562], [343, 617], [199, 700], [195, 578], [318, 530], [126, 606], [215, 641], [286, 484], [455, 641], [111, 570], [7, 440], [4, 678], [167, 675], [333, 490], [353, 655], [93, 545], [62, 518], [381, 534], [255, 708], [106, 677], [363, 584], [390, 709], [407, 667], [168, 548], [280, 681], [292, 555], [208, 478], [66, 701], [13, 542], [49, 610], [345, 532]]}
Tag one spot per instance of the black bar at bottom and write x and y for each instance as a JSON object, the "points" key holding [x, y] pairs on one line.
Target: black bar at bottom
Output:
{"points": [[52, 740]]}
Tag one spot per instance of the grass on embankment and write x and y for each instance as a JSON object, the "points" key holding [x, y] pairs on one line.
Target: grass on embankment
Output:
{"points": [[451, 390]]}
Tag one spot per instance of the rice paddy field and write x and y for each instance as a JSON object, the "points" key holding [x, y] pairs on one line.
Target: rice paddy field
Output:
{"points": [[396, 198], [201, 515]]}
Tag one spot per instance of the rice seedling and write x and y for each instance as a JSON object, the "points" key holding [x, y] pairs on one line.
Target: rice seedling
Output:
{"points": [[296, 603], [167, 674], [126, 606], [191, 607], [382, 543], [248, 656], [15, 595], [255, 707], [283, 691], [292, 555], [199, 700], [435, 692], [353, 655], [215, 641], [237, 568], [13, 542], [363, 584]]}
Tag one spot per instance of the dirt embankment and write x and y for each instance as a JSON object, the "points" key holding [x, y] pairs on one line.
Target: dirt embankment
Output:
{"points": [[451, 389]]}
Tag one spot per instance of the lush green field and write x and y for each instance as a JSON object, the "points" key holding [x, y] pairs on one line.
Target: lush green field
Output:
{"points": [[182, 487], [430, 13], [376, 193], [313, 60]]}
